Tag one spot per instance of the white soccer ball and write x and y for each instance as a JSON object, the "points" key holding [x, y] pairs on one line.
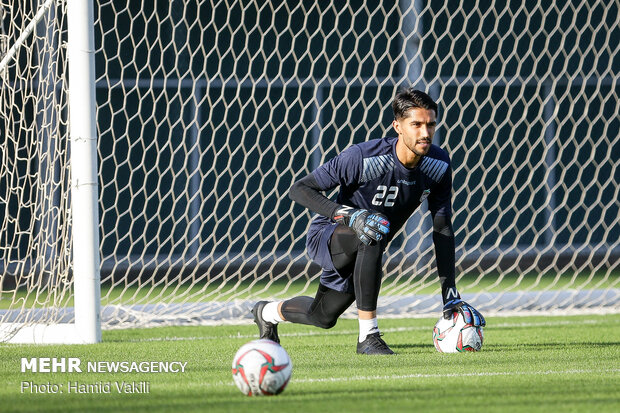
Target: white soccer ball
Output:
{"points": [[261, 368], [454, 336]]}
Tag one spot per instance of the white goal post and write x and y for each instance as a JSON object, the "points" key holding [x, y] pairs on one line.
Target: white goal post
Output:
{"points": [[146, 151], [82, 220]]}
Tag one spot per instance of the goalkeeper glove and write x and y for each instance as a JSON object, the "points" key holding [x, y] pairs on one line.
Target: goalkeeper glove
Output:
{"points": [[369, 226], [470, 314]]}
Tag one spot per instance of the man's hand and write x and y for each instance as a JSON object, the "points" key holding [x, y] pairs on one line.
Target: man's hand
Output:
{"points": [[369, 226], [470, 314]]}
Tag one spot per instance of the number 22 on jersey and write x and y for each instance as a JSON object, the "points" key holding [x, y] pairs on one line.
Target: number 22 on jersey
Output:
{"points": [[385, 196]]}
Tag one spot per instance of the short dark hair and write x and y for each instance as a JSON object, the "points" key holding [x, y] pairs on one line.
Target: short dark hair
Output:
{"points": [[411, 98]]}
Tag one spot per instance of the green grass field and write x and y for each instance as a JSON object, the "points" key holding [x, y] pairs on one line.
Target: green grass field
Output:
{"points": [[568, 363]]}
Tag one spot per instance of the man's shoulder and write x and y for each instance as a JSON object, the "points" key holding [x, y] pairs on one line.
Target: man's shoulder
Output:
{"points": [[435, 152], [435, 163], [376, 147]]}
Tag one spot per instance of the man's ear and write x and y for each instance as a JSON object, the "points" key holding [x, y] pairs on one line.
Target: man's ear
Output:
{"points": [[396, 125]]}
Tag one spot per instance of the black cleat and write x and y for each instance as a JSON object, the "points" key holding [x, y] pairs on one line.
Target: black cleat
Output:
{"points": [[373, 344], [265, 329]]}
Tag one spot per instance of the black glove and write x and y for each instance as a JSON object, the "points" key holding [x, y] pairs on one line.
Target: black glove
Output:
{"points": [[369, 226], [470, 314]]}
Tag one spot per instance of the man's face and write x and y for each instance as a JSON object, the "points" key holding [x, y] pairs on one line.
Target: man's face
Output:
{"points": [[416, 129]]}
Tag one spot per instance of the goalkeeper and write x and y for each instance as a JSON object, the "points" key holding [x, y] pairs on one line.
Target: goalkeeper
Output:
{"points": [[381, 183]]}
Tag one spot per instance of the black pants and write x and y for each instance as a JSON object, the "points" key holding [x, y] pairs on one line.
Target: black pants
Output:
{"points": [[352, 258]]}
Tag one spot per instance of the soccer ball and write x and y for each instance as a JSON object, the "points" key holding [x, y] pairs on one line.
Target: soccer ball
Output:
{"points": [[453, 335], [261, 368]]}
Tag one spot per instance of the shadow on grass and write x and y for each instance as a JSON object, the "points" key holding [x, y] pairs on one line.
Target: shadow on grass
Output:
{"points": [[412, 345]]}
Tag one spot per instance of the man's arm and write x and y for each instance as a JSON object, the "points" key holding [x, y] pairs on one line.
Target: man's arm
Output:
{"points": [[343, 169], [307, 193], [440, 205], [368, 226], [443, 239]]}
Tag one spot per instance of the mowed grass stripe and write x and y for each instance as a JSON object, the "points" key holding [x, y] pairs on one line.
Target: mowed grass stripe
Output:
{"points": [[434, 376]]}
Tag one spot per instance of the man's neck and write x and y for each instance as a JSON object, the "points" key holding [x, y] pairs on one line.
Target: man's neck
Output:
{"points": [[406, 156]]}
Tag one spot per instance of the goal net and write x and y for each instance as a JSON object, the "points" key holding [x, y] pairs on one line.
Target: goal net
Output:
{"points": [[208, 111]]}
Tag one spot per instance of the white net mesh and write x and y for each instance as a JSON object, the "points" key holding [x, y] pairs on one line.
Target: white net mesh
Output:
{"points": [[208, 111], [35, 243]]}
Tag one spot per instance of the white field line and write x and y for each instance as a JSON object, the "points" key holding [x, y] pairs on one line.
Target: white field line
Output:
{"points": [[320, 332], [447, 375], [435, 376]]}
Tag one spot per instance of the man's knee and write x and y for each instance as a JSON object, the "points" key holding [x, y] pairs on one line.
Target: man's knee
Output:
{"points": [[323, 321], [323, 315]]}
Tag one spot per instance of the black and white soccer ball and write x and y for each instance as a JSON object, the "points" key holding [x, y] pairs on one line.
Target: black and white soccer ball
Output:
{"points": [[261, 368], [453, 335]]}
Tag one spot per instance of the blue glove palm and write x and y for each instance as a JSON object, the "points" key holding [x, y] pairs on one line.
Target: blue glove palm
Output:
{"points": [[469, 313]]}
